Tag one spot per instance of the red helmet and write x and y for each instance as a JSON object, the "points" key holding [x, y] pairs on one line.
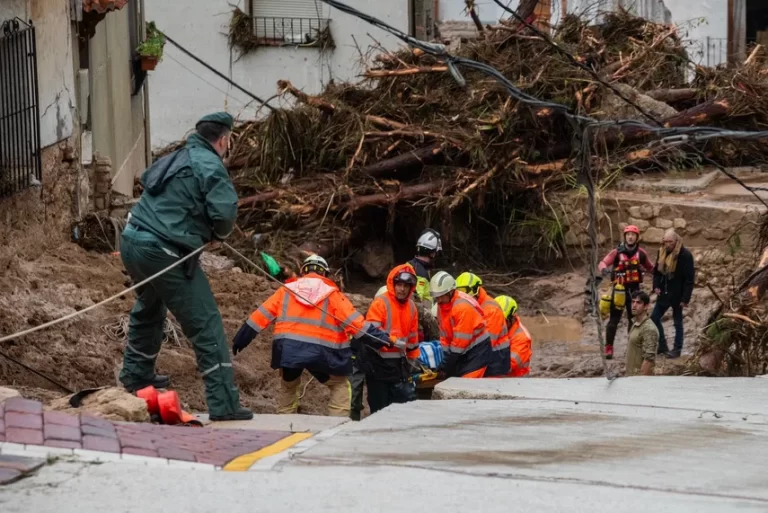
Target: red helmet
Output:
{"points": [[632, 229]]}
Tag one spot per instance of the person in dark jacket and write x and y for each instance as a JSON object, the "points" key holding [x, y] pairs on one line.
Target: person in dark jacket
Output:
{"points": [[673, 277], [188, 201]]}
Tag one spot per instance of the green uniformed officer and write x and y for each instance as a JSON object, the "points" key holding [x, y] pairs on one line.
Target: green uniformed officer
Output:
{"points": [[188, 201]]}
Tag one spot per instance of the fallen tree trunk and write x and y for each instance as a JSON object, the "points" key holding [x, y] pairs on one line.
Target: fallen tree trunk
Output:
{"points": [[251, 201], [672, 95], [411, 158], [407, 192], [702, 114], [380, 73]]}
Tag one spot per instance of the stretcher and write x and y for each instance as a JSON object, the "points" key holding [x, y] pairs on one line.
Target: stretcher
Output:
{"points": [[430, 358]]}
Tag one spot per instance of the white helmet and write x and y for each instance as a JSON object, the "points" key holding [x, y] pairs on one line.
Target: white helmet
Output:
{"points": [[315, 263], [430, 240], [381, 291], [441, 284]]}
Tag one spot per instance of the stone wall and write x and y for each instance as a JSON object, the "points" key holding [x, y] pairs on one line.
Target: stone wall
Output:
{"points": [[40, 218], [100, 176], [703, 224]]}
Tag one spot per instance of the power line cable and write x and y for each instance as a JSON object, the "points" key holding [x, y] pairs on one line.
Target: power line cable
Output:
{"points": [[229, 95], [217, 72]]}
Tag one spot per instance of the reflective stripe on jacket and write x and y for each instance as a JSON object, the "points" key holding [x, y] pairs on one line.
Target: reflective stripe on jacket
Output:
{"points": [[496, 325], [313, 322], [520, 350], [465, 341]]}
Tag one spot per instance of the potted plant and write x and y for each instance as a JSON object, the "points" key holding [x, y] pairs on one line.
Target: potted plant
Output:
{"points": [[151, 49]]}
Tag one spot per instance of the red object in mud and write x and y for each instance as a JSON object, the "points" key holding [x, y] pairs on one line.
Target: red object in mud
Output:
{"points": [[167, 405], [150, 395], [171, 412]]}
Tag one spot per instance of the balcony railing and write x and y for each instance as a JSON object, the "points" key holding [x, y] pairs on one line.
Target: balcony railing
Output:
{"points": [[301, 32]]}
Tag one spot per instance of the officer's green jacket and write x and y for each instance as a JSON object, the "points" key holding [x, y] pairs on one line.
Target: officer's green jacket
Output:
{"points": [[198, 202]]}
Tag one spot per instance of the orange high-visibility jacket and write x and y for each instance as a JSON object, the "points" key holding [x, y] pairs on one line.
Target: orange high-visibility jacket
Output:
{"points": [[401, 321], [496, 324], [519, 350], [463, 335], [308, 337]]}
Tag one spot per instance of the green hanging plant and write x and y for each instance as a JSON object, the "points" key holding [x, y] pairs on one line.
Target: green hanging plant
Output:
{"points": [[151, 49]]}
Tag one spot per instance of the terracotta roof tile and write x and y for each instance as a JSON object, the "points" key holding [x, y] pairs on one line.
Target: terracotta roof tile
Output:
{"points": [[103, 6]]}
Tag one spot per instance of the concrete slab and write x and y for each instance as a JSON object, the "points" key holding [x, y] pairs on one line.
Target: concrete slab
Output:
{"points": [[617, 446], [77, 488], [723, 395], [289, 423]]}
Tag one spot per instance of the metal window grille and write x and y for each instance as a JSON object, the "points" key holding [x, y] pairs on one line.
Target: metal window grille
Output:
{"points": [[20, 163], [289, 31], [714, 51]]}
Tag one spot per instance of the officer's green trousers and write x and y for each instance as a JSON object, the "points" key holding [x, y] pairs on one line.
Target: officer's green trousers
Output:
{"points": [[192, 303]]}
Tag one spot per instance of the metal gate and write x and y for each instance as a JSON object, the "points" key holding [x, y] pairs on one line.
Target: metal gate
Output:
{"points": [[20, 164]]}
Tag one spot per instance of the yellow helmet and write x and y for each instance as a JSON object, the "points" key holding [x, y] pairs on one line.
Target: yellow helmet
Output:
{"points": [[469, 283], [508, 305]]}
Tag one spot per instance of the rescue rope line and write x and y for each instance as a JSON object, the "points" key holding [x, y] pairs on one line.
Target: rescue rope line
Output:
{"points": [[296, 294], [101, 303], [38, 373]]}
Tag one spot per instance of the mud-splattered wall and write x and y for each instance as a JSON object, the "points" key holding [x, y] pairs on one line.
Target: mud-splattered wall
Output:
{"points": [[38, 218]]}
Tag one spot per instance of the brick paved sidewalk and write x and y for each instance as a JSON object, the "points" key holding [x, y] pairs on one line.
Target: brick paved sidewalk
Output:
{"points": [[23, 421]]}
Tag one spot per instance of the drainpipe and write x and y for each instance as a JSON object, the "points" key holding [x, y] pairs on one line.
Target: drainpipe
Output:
{"points": [[147, 137]]}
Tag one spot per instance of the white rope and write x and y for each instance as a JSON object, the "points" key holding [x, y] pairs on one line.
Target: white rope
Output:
{"points": [[109, 299], [306, 385]]}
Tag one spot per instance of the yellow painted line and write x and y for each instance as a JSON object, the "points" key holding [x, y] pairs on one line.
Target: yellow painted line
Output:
{"points": [[244, 462]]}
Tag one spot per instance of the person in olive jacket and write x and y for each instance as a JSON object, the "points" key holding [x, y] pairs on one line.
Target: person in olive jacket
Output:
{"points": [[673, 278]]}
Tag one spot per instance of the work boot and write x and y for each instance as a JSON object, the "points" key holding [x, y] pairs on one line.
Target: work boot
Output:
{"points": [[239, 414], [675, 353], [609, 352], [288, 396], [158, 381], [355, 415]]}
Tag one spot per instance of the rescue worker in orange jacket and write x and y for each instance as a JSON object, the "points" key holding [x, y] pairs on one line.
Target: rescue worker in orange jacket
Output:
{"points": [[313, 323], [388, 369], [519, 339], [495, 322], [463, 336]]}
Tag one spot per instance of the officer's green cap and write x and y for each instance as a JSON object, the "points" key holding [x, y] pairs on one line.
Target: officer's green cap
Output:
{"points": [[220, 118]]}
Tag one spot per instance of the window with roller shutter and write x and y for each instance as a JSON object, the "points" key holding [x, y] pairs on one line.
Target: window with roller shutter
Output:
{"points": [[287, 22]]}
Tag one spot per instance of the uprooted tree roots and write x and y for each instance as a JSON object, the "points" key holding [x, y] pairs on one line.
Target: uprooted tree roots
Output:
{"points": [[411, 146], [735, 341]]}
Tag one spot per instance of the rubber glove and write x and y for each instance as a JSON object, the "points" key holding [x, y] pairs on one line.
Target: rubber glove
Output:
{"points": [[245, 336]]}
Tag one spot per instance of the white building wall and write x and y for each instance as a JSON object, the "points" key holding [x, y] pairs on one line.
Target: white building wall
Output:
{"points": [[487, 10], [55, 69], [181, 90]]}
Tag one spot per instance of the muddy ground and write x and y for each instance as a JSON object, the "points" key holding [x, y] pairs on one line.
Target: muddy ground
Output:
{"points": [[82, 353]]}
